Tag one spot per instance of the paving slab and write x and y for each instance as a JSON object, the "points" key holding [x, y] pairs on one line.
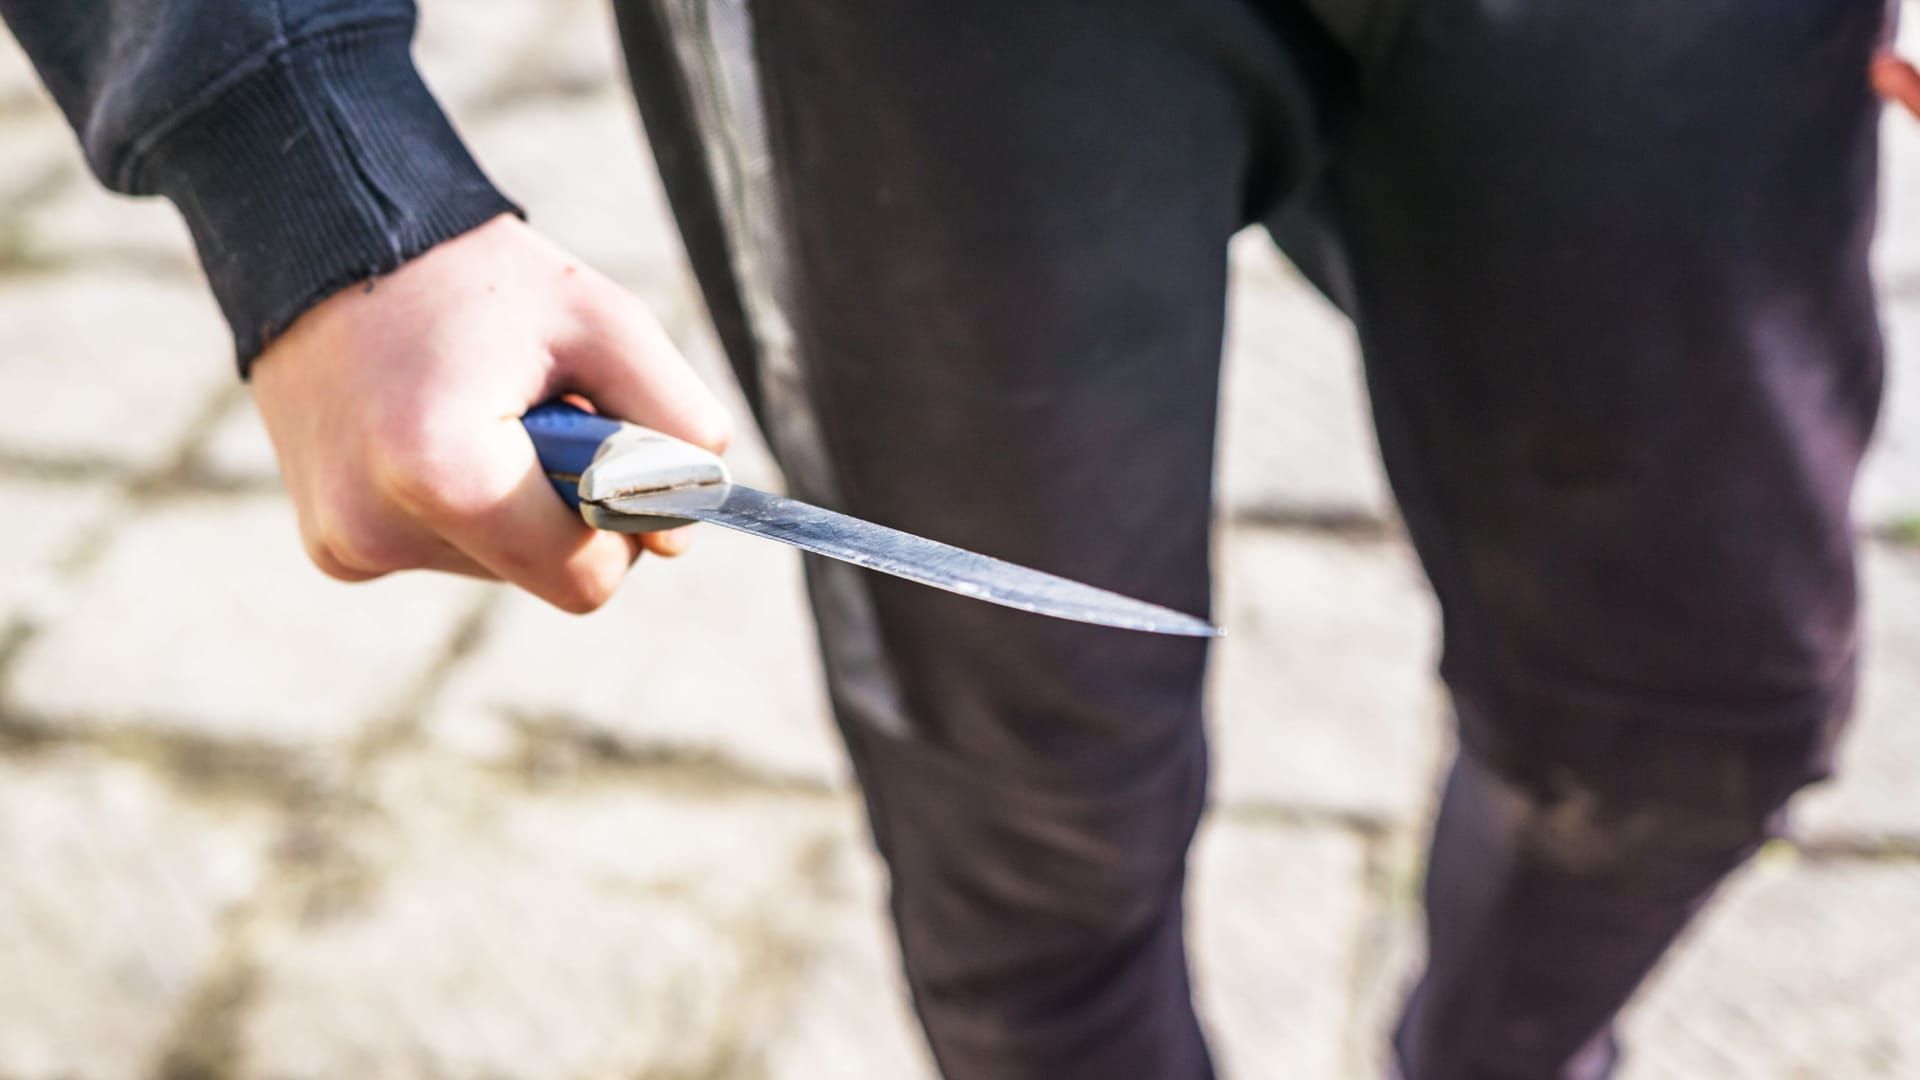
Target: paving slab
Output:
{"points": [[237, 450], [1392, 956], [1323, 690], [83, 222], [708, 655], [57, 214], [44, 519], [474, 53], [603, 930], [1278, 913], [41, 153], [575, 53], [113, 900], [161, 349], [18, 83], [207, 620], [1889, 492], [465, 47], [1802, 969], [1296, 434], [1876, 797], [851, 1019]]}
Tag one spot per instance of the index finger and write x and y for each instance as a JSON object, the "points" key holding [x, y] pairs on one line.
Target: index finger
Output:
{"points": [[502, 512]]}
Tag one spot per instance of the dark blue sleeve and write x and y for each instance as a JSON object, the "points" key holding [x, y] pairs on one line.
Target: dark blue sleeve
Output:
{"points": [[295, 136]]}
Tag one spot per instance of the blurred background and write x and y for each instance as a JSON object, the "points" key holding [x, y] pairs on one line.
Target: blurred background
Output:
{"points": [[255, 824]]}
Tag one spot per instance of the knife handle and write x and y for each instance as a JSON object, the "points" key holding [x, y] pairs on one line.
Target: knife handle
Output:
{"points": [[591, 459], [567, 439]]}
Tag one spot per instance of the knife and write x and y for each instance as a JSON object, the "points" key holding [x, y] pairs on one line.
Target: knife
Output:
{"points": [[626, 478]]}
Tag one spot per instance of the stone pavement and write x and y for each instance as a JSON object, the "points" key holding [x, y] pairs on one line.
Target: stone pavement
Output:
{"points": [[254, 824]]}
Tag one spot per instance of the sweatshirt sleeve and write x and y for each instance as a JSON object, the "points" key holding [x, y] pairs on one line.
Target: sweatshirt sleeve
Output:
{"points": [[295, 136]]}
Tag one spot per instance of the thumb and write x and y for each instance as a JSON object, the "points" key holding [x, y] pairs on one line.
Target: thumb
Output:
{"points": [[621, 359]]}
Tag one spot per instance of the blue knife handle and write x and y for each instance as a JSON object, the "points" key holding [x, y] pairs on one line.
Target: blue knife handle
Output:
{"points": [[566, 438]]}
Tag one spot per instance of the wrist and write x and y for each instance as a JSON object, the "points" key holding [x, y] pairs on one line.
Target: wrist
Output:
{"points": [[329, 165]]}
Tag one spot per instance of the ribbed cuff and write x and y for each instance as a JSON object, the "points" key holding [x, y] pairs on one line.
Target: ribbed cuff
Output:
{"points": [[330, 165]]}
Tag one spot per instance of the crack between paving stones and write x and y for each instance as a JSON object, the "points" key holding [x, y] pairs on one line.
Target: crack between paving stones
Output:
{"points": [[1366, 825], [403, 727], [22, 257], [1343, 523], [65, 469], [30, 105], [560, 748], [178, 474], [521, 88], [313, 873], [1385, 870], [1362, 526], [307, 877], [209, 771], [140, 491], [17, 254], [205, 1042], [781, 955], [1903, 534], [14, 635], [1893, 848]]}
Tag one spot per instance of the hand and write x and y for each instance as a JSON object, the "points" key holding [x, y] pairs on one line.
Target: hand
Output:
{"points": [[1896, 80], [394, 410]]}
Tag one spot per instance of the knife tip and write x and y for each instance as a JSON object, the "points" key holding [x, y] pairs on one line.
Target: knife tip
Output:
{"points": [[1189, 626]]}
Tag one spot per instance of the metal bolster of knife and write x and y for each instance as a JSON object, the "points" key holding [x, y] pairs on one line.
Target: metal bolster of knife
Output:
{"points": [[592, 459]]}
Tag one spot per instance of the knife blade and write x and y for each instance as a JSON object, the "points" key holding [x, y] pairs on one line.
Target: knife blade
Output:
{"points": [[626, 478]]}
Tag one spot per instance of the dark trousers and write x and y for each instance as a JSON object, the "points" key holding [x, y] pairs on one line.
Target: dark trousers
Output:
{"points": [[1607, 259]]}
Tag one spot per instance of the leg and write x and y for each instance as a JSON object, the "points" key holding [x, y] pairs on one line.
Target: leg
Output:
{"points": [[1608, 261], [985, 283]]}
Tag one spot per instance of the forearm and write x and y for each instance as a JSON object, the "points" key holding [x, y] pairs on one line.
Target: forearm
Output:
{"points": [[295, 137]]}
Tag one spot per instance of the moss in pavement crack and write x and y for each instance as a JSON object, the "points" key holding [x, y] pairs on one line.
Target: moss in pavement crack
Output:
{"points": [[206, 1042], [1903, 531]]}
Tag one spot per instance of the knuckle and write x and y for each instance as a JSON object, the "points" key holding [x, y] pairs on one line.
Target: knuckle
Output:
{"points": [[332, 565], [416, 487], [366, 547], [420, 474], [582, 599], [574, 604], [717, 431], [588, 589]]}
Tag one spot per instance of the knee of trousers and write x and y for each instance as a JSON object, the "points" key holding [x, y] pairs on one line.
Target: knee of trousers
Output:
{"points": [[1606, 788], [999, 884]]}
